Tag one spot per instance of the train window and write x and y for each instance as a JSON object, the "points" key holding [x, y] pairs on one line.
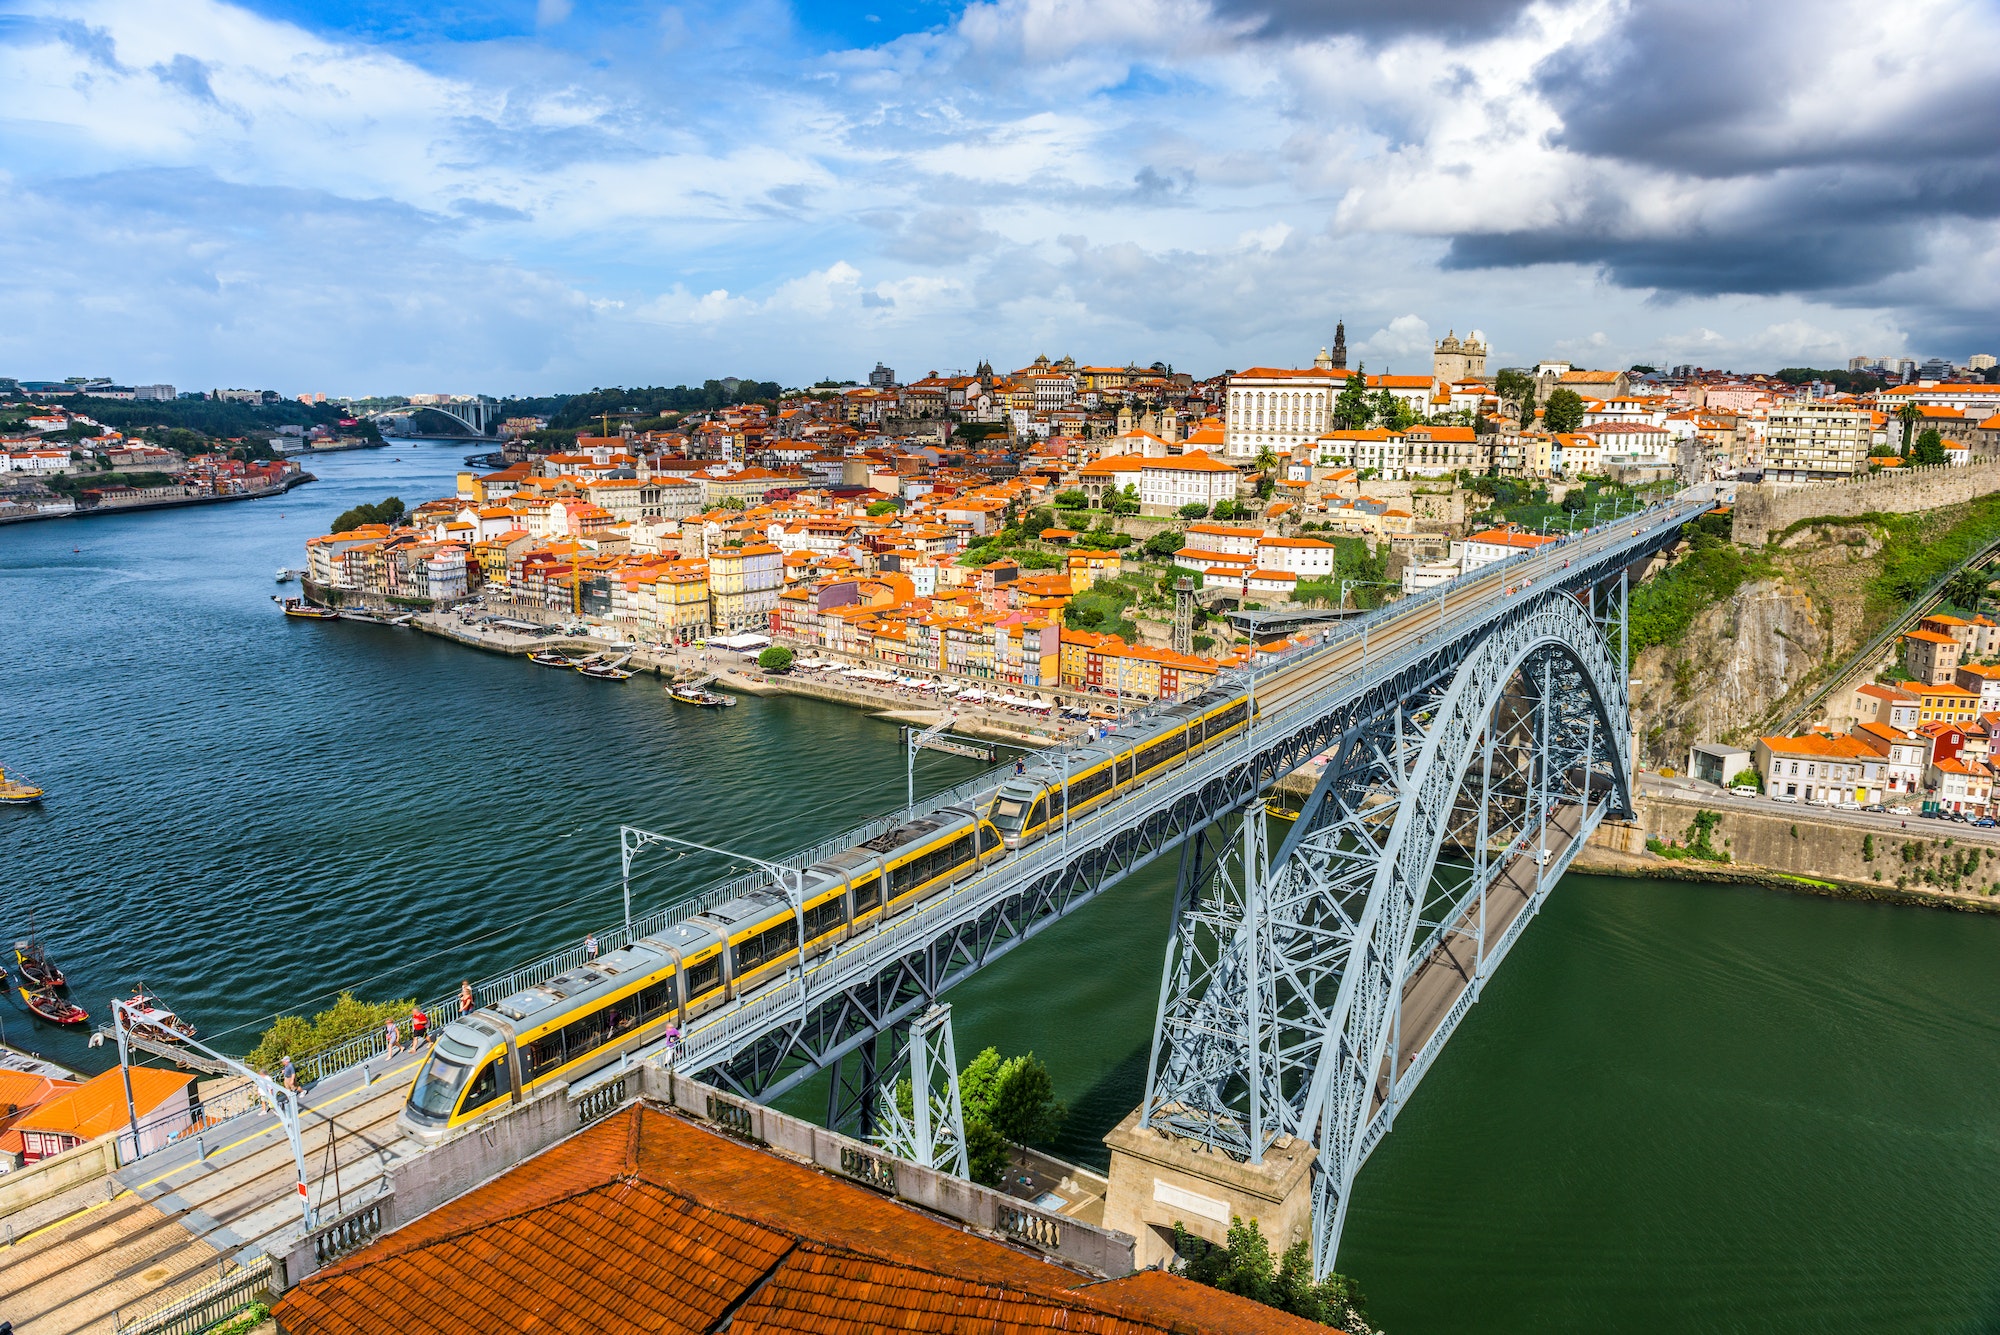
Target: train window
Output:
{"points": [[437, 1088], [1039, 814], [1159, 752], [868, 895], [824, 918], [656, 998], [1090, 786], [703, 977], [767, 945], [542, 1056], [488, 1085], [1007, 815]]}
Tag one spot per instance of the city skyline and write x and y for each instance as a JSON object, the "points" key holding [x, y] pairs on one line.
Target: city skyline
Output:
{"points": [[535, 198]]}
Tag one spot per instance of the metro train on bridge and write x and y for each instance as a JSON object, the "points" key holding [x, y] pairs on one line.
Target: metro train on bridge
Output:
{"points": [[575, 1023]]}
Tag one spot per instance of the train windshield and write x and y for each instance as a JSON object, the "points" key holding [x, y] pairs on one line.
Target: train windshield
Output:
{"points": [[437, 1087], [1007, 814]]}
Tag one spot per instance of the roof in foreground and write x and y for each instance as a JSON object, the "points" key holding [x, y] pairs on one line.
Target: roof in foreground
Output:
{"points": [[646, 1222]]}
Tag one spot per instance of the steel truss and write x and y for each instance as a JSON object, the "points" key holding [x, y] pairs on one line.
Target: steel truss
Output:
{"points": [[1305, 994]]}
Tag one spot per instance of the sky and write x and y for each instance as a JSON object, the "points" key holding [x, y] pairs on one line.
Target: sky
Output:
{"points": [[539, 196]]}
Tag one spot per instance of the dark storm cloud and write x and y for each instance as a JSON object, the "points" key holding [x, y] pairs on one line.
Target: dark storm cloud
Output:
{"points": [[1371, 19], [1699, 101]]}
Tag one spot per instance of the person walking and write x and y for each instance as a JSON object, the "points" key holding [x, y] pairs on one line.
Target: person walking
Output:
{"points": [[392, 1037], [289, 1074], [466, 1002], [420, 1025], [590, 946]]}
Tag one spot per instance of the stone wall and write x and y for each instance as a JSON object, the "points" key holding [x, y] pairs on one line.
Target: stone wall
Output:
{"points": [[1764, 511]]}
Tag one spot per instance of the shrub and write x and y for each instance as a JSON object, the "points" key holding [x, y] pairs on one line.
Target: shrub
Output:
{"points": [[347, 1018], [775, 659]]}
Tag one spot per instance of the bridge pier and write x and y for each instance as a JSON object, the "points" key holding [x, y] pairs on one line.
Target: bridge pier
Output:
{"points": [[1159, 1180]]}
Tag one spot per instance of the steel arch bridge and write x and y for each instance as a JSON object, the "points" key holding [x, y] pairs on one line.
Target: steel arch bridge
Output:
{"points": [[1307, 992]]}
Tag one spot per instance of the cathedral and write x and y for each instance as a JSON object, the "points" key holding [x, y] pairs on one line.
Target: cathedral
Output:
{"points": [[1453, 360]]}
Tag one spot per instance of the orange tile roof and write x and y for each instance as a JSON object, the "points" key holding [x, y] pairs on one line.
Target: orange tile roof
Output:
{"points": [[98, 1105], [646, 1222]]}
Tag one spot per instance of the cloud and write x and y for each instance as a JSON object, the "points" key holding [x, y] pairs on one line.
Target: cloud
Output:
{"points": [[1292, 19]]}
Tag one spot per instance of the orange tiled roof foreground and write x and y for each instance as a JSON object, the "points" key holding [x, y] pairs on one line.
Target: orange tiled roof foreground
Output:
{"points": [[647, 1222]]}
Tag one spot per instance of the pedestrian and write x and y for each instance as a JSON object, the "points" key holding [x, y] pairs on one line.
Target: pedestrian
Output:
{"points": [[590, 945], [1020, 767], [289, 1073], [420, 1025], [392, 1037], [466, 1002]]}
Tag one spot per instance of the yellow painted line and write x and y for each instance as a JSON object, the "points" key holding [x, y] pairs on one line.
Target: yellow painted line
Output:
{"points": [[222, 1149]]}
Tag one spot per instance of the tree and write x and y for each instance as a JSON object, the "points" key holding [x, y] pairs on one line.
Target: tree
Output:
{"points": [[1164, 543], [387, 511], [1390, 411], [1075, 498], [883, 508], [775, 659], [1907, 415], [1928, 449], [1563, 412], [1965, 589], [1126, 502], [1024, 1107], [1267, 459], [1225, 510], [1516, 386], [1244, 1266], [1644, 370], [1351, 410], [1194, 510]]}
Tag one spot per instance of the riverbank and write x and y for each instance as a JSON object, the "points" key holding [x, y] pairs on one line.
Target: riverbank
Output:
{"points": [[165, 503]]}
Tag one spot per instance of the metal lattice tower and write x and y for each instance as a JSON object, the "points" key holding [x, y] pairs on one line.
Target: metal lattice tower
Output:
{"points": [[1306, 992], [932, 1133], [1184, 615]]}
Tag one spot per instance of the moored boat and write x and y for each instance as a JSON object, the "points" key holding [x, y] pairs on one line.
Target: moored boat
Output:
{"points": [[697, 693], [299, 607], [16, 791], [607, 671], [52, 1007], [284, 575], [148, 1019], [36, 966], [552, 658]]}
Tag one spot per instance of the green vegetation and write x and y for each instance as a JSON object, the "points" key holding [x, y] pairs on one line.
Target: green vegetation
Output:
{"points": [[1194, 510], [974, 433], [69, 484], [1010, 1102], [251, 1317], [775, 659], [1563, 412], [388, 511], [1847, 382], [1919, 548], [1712, 569], [211, 417], [1101, 607], [1927, 450], [1245, 1268], [347, 1018], [883, 508], [1351, 560], [577, 410], [1351, 410], [1073, 499], [1164, 543]]}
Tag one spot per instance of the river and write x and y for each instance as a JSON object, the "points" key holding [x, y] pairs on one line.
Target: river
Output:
{"points": [[1699, 1107]]}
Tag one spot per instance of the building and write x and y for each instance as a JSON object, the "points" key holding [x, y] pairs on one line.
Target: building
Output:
{"points": [[1497, 544], [1816, 442], [743, 586], [1453, 359], [97, 1108], [1820, 770], [1960, 784], [1945, 702], [1273, 408], [1930, 656], [1887, 705], [1904, 755], [1165, 485], [1715, 763], [648, 1221]]}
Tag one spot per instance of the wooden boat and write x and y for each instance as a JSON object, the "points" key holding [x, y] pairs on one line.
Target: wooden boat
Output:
{"points": [[299, 607], [52, 1007], [148, 1019], [35, 965], [697, 693], [16, 791], [552, 658], [607, 671]]}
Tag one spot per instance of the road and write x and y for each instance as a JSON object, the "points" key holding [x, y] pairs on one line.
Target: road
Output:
{"points": [[1912, 826]]}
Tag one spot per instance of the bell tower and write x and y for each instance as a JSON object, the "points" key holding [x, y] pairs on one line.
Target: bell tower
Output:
{"points": [[1340, 345]]}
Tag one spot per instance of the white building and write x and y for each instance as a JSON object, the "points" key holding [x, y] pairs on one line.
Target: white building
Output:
{"points": [[1281, 410], [1816, 442], [1308, 558], [1165, 485]]}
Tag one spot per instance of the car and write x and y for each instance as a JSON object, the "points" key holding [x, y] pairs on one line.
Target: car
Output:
{"points": [[1781, 797], [1847, 806], [1961, 817], [1743, 792], [1900, 809], [1875, 806], [1986, 822]]}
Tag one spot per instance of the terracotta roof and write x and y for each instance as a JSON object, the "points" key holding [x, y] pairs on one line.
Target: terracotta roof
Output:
{"points": [[98, 1104], [646, 1222]]}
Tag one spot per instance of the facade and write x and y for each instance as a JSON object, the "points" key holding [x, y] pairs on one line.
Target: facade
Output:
{"points": [[1931, 657], [1961, 784], [1946, 702], [1272, 408], [1455, 359], [1816, 442], [1819, 770], [97, 1108], [1165, 485], [1887, 705], [744, 583]]}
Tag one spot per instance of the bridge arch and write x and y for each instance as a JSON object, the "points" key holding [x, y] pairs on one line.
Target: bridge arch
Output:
{"points": [[1308, 992]]}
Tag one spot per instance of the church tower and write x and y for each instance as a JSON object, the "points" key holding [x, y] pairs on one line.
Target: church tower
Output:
{"points": [[1340, 345]]}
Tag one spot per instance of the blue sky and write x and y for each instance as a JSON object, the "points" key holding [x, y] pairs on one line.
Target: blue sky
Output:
{"points": [[370, 196]]}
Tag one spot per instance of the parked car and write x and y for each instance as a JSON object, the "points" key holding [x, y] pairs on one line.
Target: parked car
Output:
{"points": [[1847, 806], [1986, 822], [1874, 806], [1743, 792], [1780, 797], [1900, 809]]}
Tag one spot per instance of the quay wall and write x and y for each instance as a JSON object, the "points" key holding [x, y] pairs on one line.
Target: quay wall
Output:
{"points": [[47, 1178], [1763, 511], [1790, 849]]}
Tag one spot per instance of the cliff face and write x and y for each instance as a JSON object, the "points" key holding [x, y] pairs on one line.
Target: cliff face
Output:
{"points": [[1773, 641]]}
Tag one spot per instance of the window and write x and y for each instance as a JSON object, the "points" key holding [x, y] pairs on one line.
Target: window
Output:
{"points": [[767, 945], [489, 1085], [702, 978]]}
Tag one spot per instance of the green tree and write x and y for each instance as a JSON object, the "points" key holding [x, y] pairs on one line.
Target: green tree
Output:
{"points": [[775, 659], [1390, 411], [1244, 1266], [1194, 510], [1024, 1108], [883, 508], [388, 511], [1908, 416], [1165, 543], [1516, 386], [1966, 588], [1126, 502], [1928, 449], [1267, 459], [348, 1017], [1563, 412], [1352, 410], [1225, 510], [1075, 498]]}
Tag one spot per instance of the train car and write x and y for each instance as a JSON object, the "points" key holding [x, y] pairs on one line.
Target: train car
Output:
{"points": [[582, 1020], [1029, 805]]}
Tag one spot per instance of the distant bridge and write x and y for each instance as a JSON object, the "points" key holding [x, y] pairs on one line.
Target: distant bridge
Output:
{"points": [[478, 416]]}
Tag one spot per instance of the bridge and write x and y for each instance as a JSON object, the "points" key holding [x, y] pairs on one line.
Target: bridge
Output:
{"points": [[476, 416], [1467, 741]]}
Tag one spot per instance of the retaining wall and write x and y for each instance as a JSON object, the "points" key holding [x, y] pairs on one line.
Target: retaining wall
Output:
{"points": [[1763, 511], [52, 1176]]}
